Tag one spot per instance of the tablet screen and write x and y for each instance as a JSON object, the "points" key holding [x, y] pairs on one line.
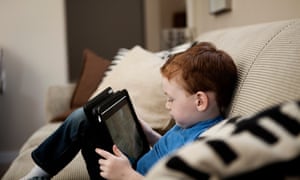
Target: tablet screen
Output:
{"points": [[124, 130]]}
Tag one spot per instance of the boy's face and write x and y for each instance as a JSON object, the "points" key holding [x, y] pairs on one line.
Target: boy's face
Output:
{"points": [[181, 105]]}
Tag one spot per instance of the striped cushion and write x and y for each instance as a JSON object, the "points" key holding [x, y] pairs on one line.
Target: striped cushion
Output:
{"points": [[265, 145]]}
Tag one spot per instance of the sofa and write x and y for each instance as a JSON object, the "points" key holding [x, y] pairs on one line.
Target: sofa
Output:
{"points": [[268, 59]]}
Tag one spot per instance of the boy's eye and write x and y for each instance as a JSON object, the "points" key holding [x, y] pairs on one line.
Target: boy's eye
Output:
{"points": [[169, 99]]}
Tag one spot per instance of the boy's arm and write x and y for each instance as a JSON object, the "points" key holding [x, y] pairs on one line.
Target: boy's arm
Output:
{"points": [[151, 135]]}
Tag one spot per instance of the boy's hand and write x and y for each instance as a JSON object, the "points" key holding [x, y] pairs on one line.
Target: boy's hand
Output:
{"points": [[114, 166]]}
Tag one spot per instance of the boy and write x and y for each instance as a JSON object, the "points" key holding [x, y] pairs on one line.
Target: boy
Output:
{"points": [[198, 84]]}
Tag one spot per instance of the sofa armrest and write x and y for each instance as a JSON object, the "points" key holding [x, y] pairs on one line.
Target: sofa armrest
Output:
{"points": [[58, 100]]}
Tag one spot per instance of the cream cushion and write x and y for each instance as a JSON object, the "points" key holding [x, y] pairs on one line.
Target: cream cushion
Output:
{"points": [[138, 72]]}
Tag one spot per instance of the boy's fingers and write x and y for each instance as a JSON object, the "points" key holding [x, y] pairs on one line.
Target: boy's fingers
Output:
{"points": [[103, 153]]}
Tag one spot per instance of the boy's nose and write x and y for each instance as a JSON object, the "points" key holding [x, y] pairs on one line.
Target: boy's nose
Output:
{"points": [[168, 105]]}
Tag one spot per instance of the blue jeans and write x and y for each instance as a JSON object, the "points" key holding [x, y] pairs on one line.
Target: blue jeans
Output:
{"points": [[76, 133]]}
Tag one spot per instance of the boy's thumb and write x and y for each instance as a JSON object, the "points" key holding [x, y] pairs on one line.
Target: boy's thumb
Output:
{"points": [[117, 151]]}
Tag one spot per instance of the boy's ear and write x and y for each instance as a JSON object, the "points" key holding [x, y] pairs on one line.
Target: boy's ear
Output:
{"points": [[201, 101]]}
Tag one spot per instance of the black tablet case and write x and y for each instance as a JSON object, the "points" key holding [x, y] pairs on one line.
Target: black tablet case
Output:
{"points": [[114, 111]]}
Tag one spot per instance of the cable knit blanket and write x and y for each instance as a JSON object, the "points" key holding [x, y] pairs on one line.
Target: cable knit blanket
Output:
{"points": [[265, 145]]}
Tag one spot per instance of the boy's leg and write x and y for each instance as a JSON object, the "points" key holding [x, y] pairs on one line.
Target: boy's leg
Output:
{"points": [[63, 145], [75, 134], [97, 136]]}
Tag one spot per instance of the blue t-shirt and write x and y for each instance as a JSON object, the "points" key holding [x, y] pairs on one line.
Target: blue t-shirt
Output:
{"points": [[175, 138]]}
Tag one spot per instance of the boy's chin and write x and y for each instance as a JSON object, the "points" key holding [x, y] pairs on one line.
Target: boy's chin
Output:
{"points": [[182, 125]]}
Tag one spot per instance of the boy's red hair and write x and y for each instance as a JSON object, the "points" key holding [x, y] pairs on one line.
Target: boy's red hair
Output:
{"points": [[204, 68]]}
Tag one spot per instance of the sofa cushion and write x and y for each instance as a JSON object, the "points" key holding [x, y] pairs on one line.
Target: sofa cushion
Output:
{"points": [[268, 60], [23, 163], [62, 116], [92, 73], [138, 72], [264, 145]]}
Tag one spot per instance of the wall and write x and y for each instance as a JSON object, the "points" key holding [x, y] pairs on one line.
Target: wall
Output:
{"points": [[32, 34], [168, 8], [244, 12], [102, 26], [152, 24], [158, 15]]}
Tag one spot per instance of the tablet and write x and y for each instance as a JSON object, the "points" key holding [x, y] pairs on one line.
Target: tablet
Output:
{"points": [[117, 114], [91, 106]]}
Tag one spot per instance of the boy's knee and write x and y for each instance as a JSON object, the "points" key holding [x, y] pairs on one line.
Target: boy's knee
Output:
{"points": [[76, 117]]}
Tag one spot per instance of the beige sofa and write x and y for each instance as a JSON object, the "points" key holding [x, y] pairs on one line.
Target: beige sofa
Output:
{"points": [[268, 60]]}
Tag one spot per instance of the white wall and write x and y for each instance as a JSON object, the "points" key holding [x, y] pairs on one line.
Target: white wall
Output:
{"points": [[32, 34], [244, 12]]}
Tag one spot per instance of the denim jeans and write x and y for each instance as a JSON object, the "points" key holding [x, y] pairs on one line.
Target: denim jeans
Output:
{"points": [[76, 133]]}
